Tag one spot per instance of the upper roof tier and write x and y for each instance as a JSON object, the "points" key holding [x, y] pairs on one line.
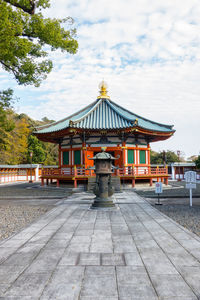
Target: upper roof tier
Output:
{"points": [[104, 114]]}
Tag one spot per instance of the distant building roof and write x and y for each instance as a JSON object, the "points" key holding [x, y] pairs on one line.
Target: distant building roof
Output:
{"points": [[25, 166], [183, 164]]}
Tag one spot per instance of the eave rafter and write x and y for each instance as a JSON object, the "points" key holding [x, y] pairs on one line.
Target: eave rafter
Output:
{"points": [[123, 133]]}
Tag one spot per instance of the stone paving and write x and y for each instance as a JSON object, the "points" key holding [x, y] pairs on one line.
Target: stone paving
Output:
{"points": [[131, 253]]}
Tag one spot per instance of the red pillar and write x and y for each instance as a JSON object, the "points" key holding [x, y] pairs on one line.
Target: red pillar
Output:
{"points": [[42, 181], [83, 152], [47, 182], [166, 181], [75, 174], [124, 157], [136, 159], [59, 156], [161, 179], [149, 159], [123, 153], [71, 158], [133, 182], [75, 183], [151, 182], [57, 183]]}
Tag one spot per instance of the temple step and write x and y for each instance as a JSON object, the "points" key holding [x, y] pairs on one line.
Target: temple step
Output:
{"points": [[115, 183]]}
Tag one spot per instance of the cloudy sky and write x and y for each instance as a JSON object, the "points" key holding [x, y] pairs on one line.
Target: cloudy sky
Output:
{"points": [[148, 52]]}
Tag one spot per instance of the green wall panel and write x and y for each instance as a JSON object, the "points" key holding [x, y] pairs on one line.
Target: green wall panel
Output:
{"points": [[142, 157], [66, 158], [77, 157], [130, 156]]}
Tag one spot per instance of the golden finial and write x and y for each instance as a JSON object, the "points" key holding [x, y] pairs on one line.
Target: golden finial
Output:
{"points": [[103, 90]]}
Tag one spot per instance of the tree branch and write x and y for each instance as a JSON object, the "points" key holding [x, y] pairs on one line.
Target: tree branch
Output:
{"points": [[8, 67], [30, 11]]}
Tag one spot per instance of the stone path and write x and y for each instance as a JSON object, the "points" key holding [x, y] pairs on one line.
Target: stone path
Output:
{"points": [[131, 253]]}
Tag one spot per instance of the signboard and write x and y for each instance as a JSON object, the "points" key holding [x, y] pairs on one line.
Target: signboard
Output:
{"points": [[191, 176], [191, 185], [158, 187]]}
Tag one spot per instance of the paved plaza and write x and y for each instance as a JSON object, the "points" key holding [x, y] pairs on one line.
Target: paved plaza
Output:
{"points": [[130, 253]]}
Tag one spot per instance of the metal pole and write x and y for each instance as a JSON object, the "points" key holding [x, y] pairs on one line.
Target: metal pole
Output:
{"points": [[190, 197], [158, 203]]}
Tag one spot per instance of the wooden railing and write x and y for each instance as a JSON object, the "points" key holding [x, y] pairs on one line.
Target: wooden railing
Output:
{"points": [[127, 171]]}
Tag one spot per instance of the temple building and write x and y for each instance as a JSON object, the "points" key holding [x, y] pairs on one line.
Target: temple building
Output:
{"points": [[103, 123]]}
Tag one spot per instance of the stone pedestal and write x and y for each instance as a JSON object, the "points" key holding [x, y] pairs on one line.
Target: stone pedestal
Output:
{"points": [[103, 190]]}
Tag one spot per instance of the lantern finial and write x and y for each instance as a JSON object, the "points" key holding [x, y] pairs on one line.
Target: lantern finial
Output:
{"points": [[103, 90]]}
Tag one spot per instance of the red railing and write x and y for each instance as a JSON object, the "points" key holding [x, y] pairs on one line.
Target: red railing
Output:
{"points": [[127, 171]]}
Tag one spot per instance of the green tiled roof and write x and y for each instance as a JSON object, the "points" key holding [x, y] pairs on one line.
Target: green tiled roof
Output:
{"points": [[104, 114]]}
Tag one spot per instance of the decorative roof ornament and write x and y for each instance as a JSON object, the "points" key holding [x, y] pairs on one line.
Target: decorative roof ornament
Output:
{"points": [[103, 90]]}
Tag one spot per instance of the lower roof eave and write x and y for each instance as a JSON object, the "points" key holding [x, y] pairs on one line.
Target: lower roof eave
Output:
{"points": [[56, 136]]}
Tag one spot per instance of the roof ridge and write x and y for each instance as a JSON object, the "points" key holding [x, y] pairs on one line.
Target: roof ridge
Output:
{"points": [[119, 113], [168, 126], [89, 112]]}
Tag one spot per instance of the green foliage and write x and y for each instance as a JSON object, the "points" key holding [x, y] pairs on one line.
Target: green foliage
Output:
{"points": [[43, 153], [159, 157], [6, 124], [16, 140], [197, 162], [23, 36], [35, 146], [6, 98], [14, 146]]}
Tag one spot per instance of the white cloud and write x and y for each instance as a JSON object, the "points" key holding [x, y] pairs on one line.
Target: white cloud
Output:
{"points": [[147, 51]]}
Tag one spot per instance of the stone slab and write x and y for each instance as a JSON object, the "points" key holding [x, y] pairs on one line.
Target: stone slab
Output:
{"points": [[133, 253], [168, 286]]}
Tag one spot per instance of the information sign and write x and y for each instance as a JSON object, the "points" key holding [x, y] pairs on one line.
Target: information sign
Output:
{"points": [[190, 178], [191, 185], [158, 191], [158, 187]]}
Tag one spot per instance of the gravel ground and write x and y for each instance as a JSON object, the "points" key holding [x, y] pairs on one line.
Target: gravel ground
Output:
{"points": [[33, 190], [13, 218], [174, 190], [22, 203], [187, 216]]}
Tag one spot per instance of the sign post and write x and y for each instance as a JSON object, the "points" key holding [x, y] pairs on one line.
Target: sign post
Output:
{"points": [[158, 191], [190, 178]]}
